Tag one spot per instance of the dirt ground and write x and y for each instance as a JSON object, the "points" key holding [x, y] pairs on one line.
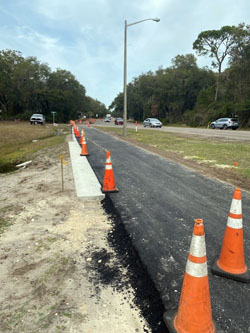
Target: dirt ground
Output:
{"points": [[52, 252]]}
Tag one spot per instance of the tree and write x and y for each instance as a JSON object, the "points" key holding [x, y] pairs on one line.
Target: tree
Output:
{"points": [[218, 44]]}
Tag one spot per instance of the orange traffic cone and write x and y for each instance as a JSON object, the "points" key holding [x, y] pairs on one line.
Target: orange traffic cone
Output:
{"points": [[194, 313], [81, 138], [109, 179], [84, 151], [77, 133], [231, 262]]}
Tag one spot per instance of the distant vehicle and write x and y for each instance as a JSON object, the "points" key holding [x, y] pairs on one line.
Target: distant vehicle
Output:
{"points": [[118, 121], [37, 118], [152, 122], [107, 120], [225, 123]]}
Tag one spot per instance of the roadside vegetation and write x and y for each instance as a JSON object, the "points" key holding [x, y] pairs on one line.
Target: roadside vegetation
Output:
{"points": [[217, 154], [19, 140], [186, 93], [28, 86]]}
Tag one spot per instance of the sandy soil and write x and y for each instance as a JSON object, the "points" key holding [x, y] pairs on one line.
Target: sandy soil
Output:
{"points": [[50, 254]]}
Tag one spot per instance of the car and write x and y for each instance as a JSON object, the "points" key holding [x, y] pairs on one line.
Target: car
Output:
{"points": [[225, 123], [118, 121], [107, 120], [152, 122], [37, 118]]}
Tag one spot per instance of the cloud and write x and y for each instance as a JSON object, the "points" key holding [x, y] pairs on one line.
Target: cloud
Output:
{"points": [[86, 37]]}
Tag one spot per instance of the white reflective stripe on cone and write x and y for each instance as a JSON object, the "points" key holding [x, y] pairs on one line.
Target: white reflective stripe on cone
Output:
{"points": [[108, 160], [108, 167], [234, 223], [236, 207], [198, 247], [196, 270]]}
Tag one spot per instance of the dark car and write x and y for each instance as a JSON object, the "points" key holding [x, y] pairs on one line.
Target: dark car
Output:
{"points": [[225, 123], [118, 121], [37, 118]]}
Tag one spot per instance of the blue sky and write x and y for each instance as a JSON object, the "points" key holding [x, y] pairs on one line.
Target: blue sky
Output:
{"points": [[86, 36]]}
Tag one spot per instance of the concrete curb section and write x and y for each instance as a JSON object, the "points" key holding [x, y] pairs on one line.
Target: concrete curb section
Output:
{"points": [[86, 182]]}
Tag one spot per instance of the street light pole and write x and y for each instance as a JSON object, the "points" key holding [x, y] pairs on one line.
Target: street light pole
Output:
{"points": [[125, 82], [125, 71]]}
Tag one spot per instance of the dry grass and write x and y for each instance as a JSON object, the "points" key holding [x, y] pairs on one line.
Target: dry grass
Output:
{"points": [[19, 140], [21, 132], [216, 154]]}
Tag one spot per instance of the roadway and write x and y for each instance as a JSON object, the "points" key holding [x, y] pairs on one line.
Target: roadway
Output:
{"points": [[229, 135], [158, 201]]}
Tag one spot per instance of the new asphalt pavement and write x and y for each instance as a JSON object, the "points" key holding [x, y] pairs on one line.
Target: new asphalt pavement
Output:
{"points": [[158, 201]]}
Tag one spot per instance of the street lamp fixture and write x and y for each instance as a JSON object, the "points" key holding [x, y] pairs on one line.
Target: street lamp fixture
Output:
{"points": [[125, 71]]}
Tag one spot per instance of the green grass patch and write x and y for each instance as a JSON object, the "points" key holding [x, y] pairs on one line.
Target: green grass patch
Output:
{"points": [[215, 154], [3, 225], [20, 140]]}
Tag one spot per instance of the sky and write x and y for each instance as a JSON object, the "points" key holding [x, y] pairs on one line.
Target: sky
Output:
{"points": [[86, 37]]}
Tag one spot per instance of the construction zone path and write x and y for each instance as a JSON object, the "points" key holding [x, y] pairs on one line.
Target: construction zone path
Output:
{"points": [[59, 272]]}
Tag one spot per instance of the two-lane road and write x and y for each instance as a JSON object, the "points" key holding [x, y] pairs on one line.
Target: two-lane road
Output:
{"points": [[158, 201]]}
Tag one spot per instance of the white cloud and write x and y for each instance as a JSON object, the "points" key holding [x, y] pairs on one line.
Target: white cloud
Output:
{"points": [[86, 36]]}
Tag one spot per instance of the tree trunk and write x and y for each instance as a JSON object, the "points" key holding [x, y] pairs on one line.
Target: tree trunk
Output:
{"points": [[217, 84]]}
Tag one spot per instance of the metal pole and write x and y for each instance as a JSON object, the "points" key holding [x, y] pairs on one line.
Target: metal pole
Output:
{"points": [[125, 82], [125, 71]]}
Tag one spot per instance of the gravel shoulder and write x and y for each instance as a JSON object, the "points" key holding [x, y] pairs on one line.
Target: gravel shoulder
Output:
{"points": [[52, 252]]}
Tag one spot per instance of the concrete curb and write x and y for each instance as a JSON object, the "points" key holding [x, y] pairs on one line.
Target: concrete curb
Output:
{"points": [[86, 182]]}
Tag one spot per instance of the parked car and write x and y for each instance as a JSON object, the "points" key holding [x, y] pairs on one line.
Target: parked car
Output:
{"points": [[107, 120], [37, 118], [225, 123], [118, 121], [152, 122]]}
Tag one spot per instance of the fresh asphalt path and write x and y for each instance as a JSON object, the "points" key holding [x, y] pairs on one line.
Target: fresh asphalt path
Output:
{"points": [[158, 201]]}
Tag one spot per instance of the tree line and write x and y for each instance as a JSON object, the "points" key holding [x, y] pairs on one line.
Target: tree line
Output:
{"points": [[185, 93], [28, 86]]}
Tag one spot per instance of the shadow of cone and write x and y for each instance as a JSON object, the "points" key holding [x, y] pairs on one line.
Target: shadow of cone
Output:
{"points": [[84, 151], [109, 179], [231, 262], [194, 313]]}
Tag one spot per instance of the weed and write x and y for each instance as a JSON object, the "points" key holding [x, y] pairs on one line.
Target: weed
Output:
{"points": [[213, 153], [26, 141]]}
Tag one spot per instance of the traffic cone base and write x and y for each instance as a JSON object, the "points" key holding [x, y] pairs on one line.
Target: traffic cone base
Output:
{"points": [[110, 191], [216, 270], [169, 318]]}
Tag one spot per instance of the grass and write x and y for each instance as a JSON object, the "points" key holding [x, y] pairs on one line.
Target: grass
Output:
{"points": [[18, 141], [3, 222], [232, 156]]}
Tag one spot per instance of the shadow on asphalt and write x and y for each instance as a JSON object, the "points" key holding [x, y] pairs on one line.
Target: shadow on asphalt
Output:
{"points": [[146, 297]]}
